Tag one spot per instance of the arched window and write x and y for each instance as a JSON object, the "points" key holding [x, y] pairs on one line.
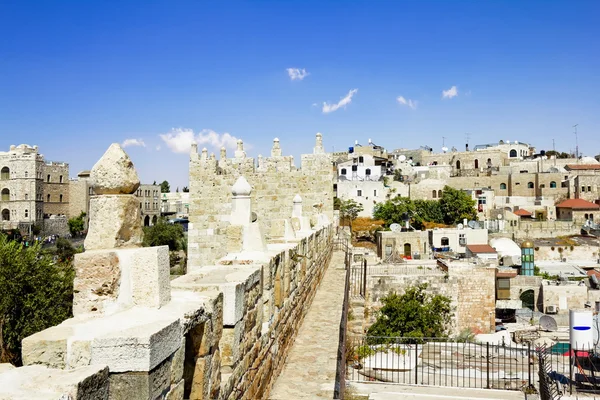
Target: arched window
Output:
{"points": [[354, 168], [445, 241], [585, 216], [489, 162], [26, 173], [26, 196], [529, 185], [591, 217], [434, 194], [368, 171], [476, 164], [5, 174], [343, 171], [553, 185], [513, 153], [440, 193], [60, 198], [503, 186], [26, 213], [48, 178], [5, 194], [457, 164], [5, 215], [48, 198], [60, 179]]}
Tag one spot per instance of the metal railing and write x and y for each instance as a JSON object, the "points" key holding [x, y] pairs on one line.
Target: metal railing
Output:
{"points": [[440, 362], [340, 374]]}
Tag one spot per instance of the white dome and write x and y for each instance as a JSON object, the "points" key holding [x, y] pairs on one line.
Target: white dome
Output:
{"points": [[588, 160], [505, 247], [241, 187]]}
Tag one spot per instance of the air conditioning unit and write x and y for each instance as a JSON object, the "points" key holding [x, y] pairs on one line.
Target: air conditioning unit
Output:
{"points": [[551, 309]]}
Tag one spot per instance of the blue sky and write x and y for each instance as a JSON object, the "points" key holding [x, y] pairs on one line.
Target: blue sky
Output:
{"points": [[76, 76]]}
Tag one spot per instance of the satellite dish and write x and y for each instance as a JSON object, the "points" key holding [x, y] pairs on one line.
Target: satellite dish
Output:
{"points": [[396, 227], [499, 216], [548, 323], [473, 224], [460, 226], [444, 149], [402, 158]]}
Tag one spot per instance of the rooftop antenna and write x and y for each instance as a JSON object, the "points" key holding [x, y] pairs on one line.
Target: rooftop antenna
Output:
{"points": [[576, 143], [467, 137], [554, 150], [443, 141]]}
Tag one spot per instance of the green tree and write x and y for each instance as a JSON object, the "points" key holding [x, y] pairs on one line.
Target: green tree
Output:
{"points": [[414, 314], [64, 250], [398, 175], [77, 224], [185, 189], [349, 210], [164, 187], [395, 210], [36, 293], [427, 211], [165, 234], [457, 205]]}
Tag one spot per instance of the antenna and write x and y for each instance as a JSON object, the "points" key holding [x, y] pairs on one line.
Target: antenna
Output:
{"points": [[554, 150], [443, 141], [467, 137], [576, 143]]}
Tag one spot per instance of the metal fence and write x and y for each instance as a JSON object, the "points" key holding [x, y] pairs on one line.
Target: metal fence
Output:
{"points": [[342, 244], [440, 362], [555, 369]]}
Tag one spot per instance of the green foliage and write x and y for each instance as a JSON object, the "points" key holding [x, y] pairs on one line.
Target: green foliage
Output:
{"points": [[457, 205], [165, 234], [349, 209], [64, 250], [394, 210], [164, 187], [427, 211], [77, 224], [36, 293], [414, 314], [544, 275], [36, 229], [551, 153], [336, 203], [185, 189], [398, 175]]}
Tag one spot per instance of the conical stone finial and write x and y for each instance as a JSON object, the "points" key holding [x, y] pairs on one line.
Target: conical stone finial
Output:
{"points": [[241, 187], [114, 173]]}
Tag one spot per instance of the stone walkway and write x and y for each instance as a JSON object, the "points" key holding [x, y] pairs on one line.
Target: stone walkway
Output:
{"points": [[309, 371]]}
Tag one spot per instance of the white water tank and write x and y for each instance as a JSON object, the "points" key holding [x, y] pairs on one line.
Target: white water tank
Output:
{"points": [[581, 334]]}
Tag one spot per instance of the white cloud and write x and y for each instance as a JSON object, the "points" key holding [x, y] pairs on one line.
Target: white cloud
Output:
{"points": [[327, 108], [133, 142], [180, 140], [297, 73], [407, 102], [450, 93], [157, 148]]}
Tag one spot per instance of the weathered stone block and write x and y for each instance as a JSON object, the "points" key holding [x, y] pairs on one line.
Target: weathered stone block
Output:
{"points": [[114, 222], [177, 364], [46, 349], [114, 173], [140, 348], [149, 275], [177, 391], [97, 280], [141, 385], [40, 382]]}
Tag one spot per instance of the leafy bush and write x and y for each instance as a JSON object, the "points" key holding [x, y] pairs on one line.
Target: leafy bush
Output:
{"points": [[165, 234], [414, 314], [36, 293]]}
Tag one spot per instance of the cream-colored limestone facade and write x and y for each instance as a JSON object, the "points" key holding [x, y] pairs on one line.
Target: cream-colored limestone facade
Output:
{"points": [[55, 186], [21, 187], [149, 196]]}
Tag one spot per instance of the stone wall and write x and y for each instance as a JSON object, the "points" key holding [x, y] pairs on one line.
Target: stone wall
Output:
{"points": [[55, 226], [471, 290], [220, 332], [275, 182], [56, 188]]}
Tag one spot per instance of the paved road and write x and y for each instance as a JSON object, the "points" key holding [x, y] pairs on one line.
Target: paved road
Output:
{"points": [[309, 372]]}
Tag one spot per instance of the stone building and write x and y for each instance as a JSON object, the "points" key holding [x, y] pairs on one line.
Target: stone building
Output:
{"points": [[56, 189], [21, 187], [175, 205], [80, 190], [149, 196], [577, 210]]}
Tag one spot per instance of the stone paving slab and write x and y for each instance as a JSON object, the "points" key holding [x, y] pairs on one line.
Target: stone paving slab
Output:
{"points": [[309, 371]]}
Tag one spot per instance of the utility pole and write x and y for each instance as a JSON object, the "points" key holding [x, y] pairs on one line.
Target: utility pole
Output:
{"points": [[576, 143]]}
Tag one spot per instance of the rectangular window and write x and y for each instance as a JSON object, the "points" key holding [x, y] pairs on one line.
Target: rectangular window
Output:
{"points": [[462, 240], [583, 189], [375, 192], [359, 193], [589, 188], [503, 289]]}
